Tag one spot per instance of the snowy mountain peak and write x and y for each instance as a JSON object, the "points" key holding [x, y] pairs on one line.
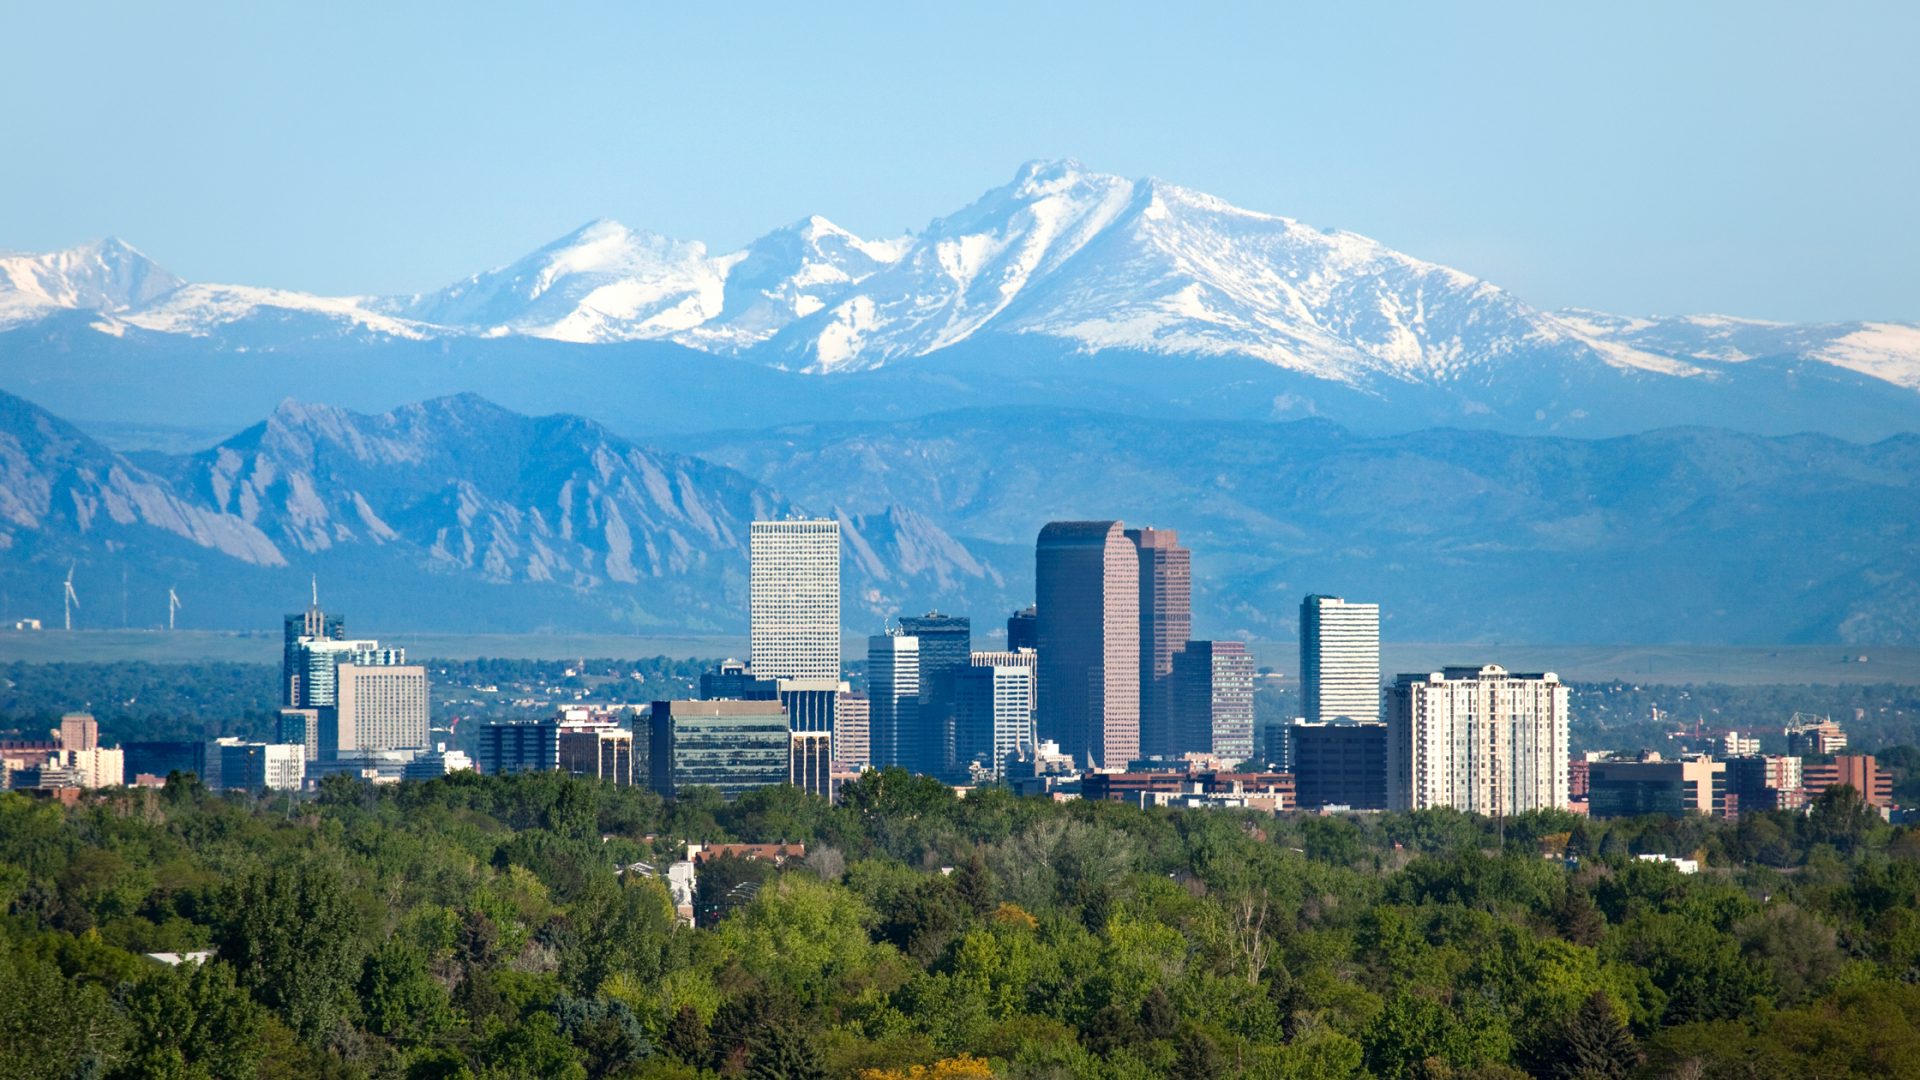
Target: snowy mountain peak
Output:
{"points": [[103, 275]]}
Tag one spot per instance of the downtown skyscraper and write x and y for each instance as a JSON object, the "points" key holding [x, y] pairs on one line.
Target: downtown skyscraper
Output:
{"points": [[1166, 622], [1087, 583], [794, 599], [1339, 660]]}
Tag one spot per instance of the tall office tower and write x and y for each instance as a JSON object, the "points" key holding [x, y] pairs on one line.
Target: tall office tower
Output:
{"points": [[993, 714], [852, 741], [313, 624], [1087, 580], [1166, 622], [379, 707], [946, 643], [1025, 658], [1477, 739], [731, 746], [893, 697], [79, 731], [734, 682], [1023, 629], [1339, 660], [1342, 764], [795, 599], [603, 753], [810, 762], [1210, 703]]}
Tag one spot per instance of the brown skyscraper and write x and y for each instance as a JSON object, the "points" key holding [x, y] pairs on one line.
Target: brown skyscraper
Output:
{"points": [[1166, 620], [1087, 582]]}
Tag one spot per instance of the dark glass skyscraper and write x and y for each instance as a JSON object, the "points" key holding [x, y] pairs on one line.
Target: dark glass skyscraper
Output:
{"points": [[1087, 583], [1166, 621], [946, 648], [1023, 629]]}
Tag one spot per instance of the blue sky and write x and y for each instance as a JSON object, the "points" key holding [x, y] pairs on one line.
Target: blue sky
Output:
{"points": [[1753, 159]]}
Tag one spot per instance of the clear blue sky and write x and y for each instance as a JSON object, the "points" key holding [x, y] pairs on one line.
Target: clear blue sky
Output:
{"points": [[1749, 158]]}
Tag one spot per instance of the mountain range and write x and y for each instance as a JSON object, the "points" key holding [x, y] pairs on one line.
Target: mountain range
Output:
{"points": [[457, 514], [1060, 284]]}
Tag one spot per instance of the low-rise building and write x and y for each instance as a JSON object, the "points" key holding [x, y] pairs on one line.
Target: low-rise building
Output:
{"points": [[1650, 784]]}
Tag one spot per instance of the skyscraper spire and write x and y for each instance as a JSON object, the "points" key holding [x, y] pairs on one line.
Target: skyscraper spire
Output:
{"points": [[316, 590]]}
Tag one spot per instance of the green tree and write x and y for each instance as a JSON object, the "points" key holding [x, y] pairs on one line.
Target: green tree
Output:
{"points": [[292, 937], [401, 998], [193, 1021], [1594, 1044]]}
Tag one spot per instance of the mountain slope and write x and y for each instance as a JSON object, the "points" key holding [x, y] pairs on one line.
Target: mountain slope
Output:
{"points": [[450, 513], [1674, 535]]}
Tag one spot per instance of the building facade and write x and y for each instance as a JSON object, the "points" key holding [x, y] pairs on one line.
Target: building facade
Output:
{"points": [[1087, 581], [1858, 771], [993, 715], [794, 587], [946, 643], [602, 753], [1651, 784], [893, 699], [852, 739], [1023, 629], [1480, 740], [252, 766], [379, 707], [730, 746], [1340, 764], [1211, 700], [810, 762], [1166, 623], [733, 681], [1339, 660], [313, 625]]}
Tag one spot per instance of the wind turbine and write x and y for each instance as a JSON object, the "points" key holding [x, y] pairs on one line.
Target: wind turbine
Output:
{"points": [[72, 599], [173, 605]]}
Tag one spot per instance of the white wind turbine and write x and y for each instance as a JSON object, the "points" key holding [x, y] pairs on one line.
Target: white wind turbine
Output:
{"points": [[72, 599], [173, 605]]}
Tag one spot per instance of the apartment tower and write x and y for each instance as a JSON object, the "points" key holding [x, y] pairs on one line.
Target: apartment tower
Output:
{"points": [[1478, 739]]}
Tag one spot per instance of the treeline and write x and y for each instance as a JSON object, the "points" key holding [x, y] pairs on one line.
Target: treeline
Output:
{"points": [[478, 927]]}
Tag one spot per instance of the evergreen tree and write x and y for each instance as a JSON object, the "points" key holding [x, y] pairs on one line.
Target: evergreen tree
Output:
{"points": [[1594, 1045], [784, 1052]]}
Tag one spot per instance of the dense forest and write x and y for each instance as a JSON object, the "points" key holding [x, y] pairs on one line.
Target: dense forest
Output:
{"points": [[483, 927]]}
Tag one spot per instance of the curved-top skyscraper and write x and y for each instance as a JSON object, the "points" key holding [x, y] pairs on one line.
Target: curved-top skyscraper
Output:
{"points": [[1087, 585]]}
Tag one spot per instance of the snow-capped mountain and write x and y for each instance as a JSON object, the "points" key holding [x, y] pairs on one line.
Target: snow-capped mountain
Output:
{"points": [[1886, 351], [106, 275], [602, 282], [1061, 259], [1102, 262]]}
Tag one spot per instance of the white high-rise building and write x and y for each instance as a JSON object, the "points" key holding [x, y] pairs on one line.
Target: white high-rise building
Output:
{"points": [[1481, 740], [993, 710], [893, 696], [1339, 660], [795, 599]]}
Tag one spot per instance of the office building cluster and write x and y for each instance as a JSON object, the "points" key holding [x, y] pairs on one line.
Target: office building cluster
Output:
{"points": [[1738, 779]]}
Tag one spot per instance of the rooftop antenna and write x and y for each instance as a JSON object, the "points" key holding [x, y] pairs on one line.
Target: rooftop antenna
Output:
{"points": [[173, 605], [316, 590], [72, 599]]}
